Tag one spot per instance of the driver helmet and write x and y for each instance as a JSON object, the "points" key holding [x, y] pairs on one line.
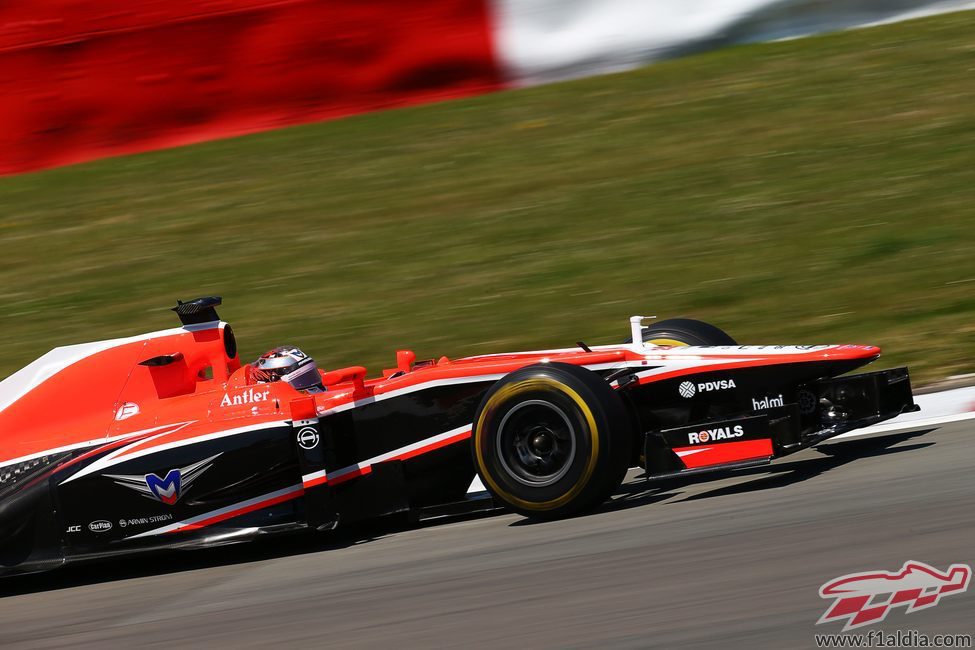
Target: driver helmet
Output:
{"points": [[288, 363]]}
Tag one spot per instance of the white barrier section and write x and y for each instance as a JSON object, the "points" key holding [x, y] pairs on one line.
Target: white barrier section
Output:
{"points": [[540, 41]]}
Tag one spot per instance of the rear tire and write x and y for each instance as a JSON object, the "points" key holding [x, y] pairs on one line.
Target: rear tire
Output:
{"points": [[685, 331], [551, 440]]}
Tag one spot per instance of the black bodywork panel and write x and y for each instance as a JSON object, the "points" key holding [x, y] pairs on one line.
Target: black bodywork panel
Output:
{"points": [[49, 518], [793, 418]]}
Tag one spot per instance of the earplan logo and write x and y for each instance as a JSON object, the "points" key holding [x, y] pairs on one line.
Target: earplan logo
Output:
{"points": [[167, 489], [866, 598]]}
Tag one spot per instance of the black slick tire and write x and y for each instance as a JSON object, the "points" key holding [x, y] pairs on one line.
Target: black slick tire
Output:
{"points": [[551, 440]]}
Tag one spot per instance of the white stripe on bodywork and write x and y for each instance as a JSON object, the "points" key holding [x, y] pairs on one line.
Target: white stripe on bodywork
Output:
{"points": [[308, 477], [740, 350], [534, 353], [409, 389], [339, 473], [34, 374], [670, 351], [691, 452], [314, 476], [691, 364], [436, 383], [222, 511], [120, 456], [670, 362], [105, 462], [686, 359], [90, 443]]}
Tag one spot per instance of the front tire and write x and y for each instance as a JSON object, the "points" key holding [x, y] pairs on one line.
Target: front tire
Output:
{"points": [[685, 331], [551, 440]]}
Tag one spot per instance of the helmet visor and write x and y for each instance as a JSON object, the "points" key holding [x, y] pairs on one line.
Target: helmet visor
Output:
{"points": [[288, 364], [305, 377]]}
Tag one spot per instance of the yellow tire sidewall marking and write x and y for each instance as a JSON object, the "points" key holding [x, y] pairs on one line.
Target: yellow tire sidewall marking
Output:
{"points": [[673, 342], [535, 383]]}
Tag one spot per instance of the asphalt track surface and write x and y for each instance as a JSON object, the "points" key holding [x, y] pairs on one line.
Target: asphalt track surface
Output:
{"points": [[732, 562]]}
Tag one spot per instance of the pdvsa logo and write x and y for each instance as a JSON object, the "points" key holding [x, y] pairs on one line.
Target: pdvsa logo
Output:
{"points": [[690, 389], [166, 489], [716, 434]]}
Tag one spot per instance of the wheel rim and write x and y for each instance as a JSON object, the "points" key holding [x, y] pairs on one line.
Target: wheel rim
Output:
{"points": [[536, 443]]}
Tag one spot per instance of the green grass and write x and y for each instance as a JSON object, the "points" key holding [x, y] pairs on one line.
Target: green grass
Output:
{"points": [[820, 190]]}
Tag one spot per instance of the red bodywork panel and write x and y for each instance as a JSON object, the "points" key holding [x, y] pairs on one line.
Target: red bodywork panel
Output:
{"points": [[724, 453], [82, 395]]}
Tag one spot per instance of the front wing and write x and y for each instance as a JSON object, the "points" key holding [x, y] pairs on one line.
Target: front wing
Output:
{"points": [[822, 410]]}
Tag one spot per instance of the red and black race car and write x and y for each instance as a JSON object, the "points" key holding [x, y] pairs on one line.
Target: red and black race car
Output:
{"points": [[166, 440]]}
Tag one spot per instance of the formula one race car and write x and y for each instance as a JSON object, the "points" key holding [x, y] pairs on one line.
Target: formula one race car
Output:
{"points": [[166, 440]]}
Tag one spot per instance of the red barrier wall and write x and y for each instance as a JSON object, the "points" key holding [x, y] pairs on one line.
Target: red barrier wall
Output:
{"points": [[81, 80]]}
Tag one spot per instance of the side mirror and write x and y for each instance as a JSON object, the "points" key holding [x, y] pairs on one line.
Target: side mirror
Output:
{"points": [[404, 360], [355, 374]]}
